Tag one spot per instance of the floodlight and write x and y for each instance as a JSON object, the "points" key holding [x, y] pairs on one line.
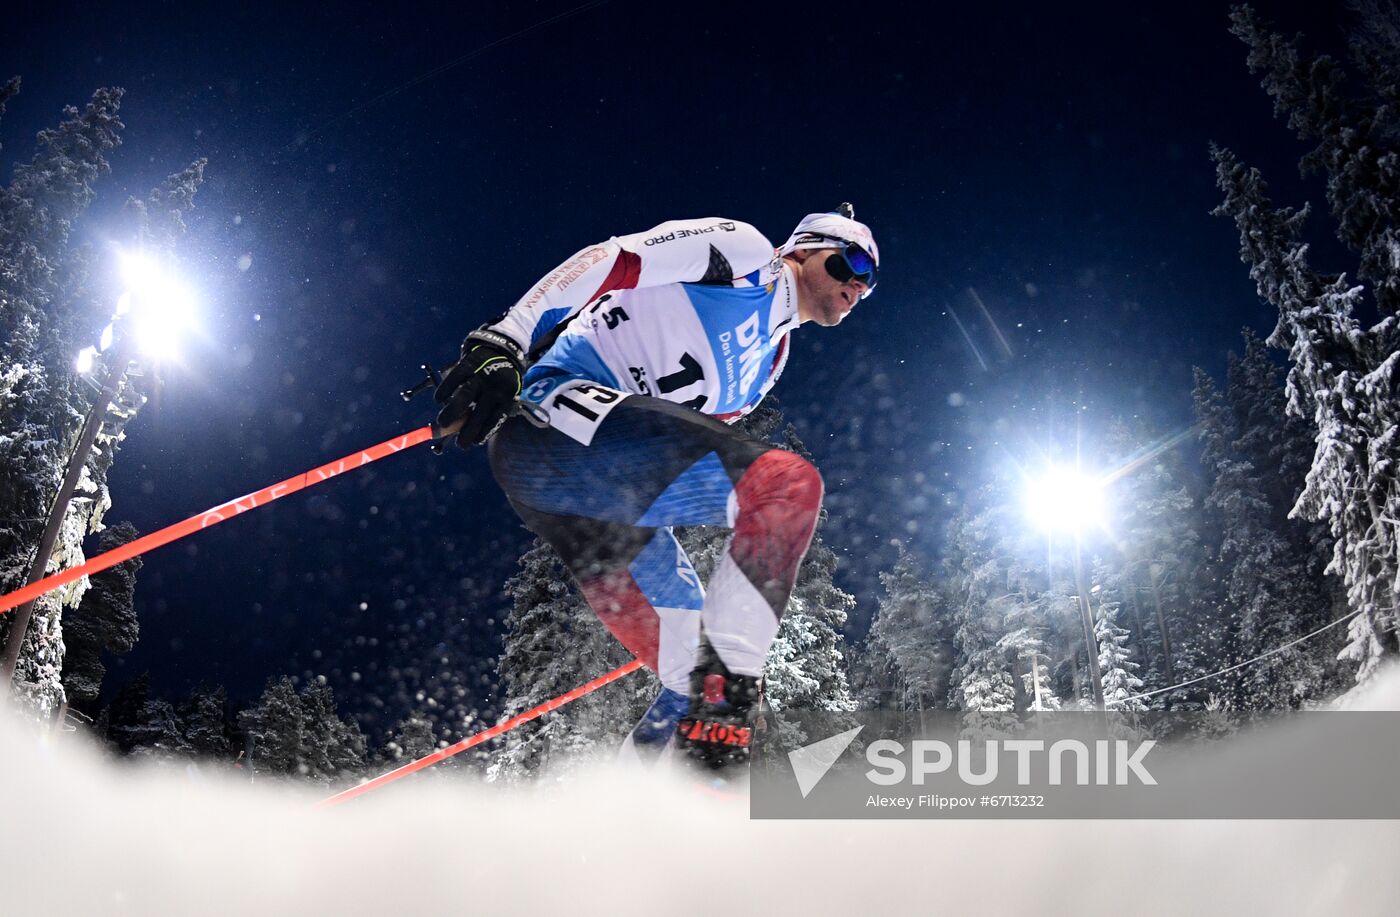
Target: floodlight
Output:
{"points": [[160, 306], [1066, 499], [85, 358]]}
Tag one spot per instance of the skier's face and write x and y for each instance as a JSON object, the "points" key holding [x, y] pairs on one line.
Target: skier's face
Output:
{"points": [[826, 300]]}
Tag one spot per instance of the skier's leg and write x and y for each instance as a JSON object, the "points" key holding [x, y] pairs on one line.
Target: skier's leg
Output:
{"points": [[665, 576], [643, 588], [651, 463], [638, 581], [777, 501]]}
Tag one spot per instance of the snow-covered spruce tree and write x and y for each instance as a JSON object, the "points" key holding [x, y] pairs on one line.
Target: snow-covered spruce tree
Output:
{"points": [[1282, 576], [1157, 526], [1041, 620], [1271, 589], [982, 681], [332, 749], [554, 643], [1291, 446], [909, 649], [301, 734], [1217, 720], [144, 726], [1038, 686], [41, 404], [1044, 626], [273, 728], [48, 311], [412, 739], [1352, 123], [1258, 395], [104, 621], [1277, 443], [1116, 665], [1211, 639], [203, 717], [1342, 373], [1030, 643]]}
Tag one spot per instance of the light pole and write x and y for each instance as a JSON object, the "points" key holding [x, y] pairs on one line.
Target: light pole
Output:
{"points": [[20, 625], [151, 311], [1069, 500], [1154, 570], [1035, 681], [1086, 617]]}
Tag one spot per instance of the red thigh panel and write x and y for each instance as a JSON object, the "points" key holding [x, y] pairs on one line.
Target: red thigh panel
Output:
{"points": [[622, 608]]}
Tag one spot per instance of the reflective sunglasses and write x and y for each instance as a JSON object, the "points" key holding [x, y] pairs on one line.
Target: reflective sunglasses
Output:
{"points": [[852, 262]]}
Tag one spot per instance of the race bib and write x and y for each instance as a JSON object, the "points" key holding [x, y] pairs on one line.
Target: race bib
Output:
{"points": [[576, 407]]}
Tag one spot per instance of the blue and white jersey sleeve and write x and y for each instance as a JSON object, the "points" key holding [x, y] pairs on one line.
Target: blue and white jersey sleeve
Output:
{"points": [[705, 251]]}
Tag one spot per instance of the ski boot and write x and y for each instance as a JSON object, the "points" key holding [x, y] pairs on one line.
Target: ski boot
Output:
{"points": [[716, 733], [651, 734]]}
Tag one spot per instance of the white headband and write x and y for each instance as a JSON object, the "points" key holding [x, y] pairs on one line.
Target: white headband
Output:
{"points": [[821, 230]]}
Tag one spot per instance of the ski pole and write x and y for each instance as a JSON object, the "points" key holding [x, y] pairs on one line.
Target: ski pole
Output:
{"points": [[431, 378], [443, 754], [218, 514]]}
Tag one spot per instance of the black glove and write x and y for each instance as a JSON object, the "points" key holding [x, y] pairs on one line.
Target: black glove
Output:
{"points": [[479, 392]]}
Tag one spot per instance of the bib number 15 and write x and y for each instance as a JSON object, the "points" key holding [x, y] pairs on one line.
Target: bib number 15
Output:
{"points": [[577, 408]]}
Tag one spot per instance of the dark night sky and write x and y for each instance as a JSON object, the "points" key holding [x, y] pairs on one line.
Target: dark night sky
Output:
{"points": [[1054, 160]]}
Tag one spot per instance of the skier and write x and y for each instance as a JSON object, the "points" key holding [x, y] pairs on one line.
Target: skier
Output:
{"points": [[628, 360]]}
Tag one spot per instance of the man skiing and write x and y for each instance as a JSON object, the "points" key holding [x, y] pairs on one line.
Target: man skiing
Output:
{"points": [[627, 360]]}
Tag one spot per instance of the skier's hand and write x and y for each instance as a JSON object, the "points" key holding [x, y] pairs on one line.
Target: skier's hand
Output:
{"points": [[479, 392]]}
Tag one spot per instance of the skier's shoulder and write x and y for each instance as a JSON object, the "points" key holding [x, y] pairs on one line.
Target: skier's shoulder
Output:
{"points": [[719, 231]]}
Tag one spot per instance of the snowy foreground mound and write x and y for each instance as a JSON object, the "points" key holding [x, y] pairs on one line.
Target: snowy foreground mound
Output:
{"points": [[85, 836]]}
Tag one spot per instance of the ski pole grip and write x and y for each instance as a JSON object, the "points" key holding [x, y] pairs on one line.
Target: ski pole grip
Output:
{"points": [[431, 379]]}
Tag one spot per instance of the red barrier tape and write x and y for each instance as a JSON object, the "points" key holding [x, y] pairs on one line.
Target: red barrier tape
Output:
{"points": [[493, 732], [216, 515]]}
